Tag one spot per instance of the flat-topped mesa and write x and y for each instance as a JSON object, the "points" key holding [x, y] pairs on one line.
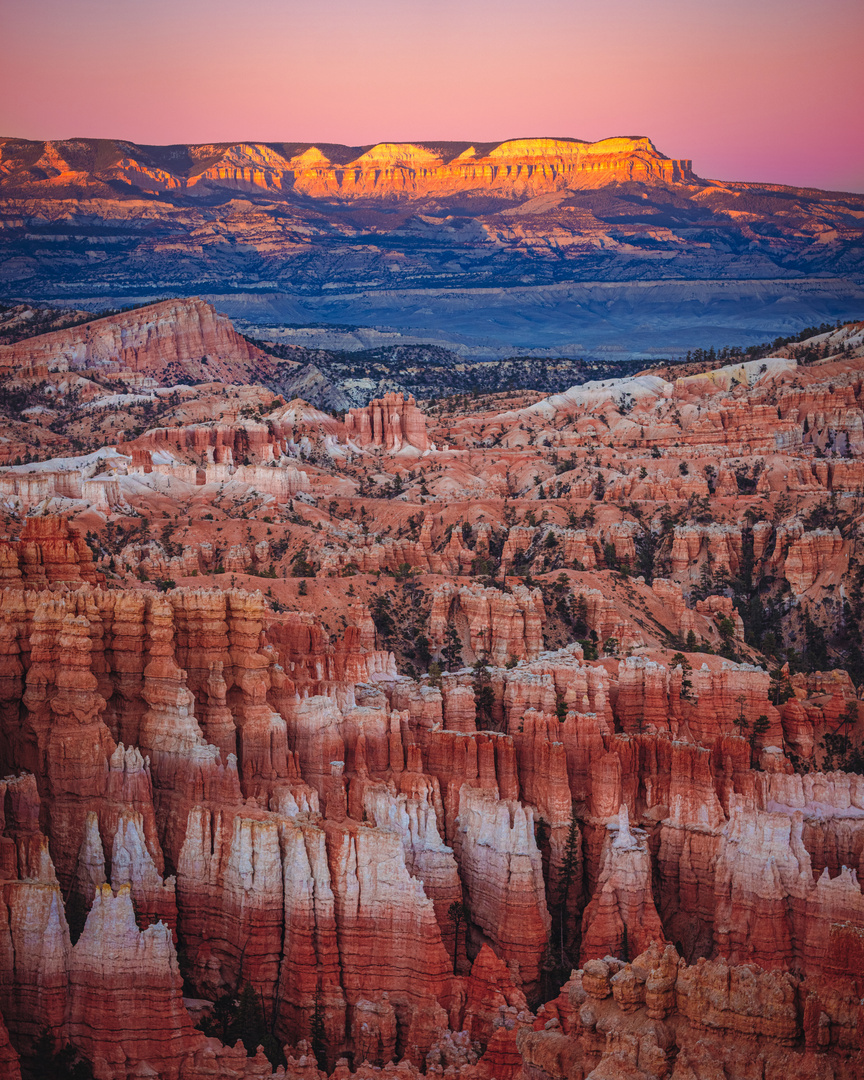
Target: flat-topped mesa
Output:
{"points": [[171, 341], [392, 423], [517, 166], [386, 169]]}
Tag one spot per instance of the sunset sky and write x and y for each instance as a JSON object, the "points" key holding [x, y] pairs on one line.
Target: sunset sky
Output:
{"points": [[758, 90]]}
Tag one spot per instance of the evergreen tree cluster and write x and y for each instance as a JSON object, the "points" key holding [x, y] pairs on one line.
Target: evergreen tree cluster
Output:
{"points": [[241, 1016]]}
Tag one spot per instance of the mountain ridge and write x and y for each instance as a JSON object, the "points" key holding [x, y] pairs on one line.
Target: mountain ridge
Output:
{"points": [[396, 234], [340, 170]]}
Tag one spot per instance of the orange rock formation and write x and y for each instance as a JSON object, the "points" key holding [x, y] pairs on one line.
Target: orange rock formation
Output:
{"points": [[451, 777]]}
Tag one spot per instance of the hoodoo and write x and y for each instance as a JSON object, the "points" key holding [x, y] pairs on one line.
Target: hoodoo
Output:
{"points": [[431, 623], [515, 736]]}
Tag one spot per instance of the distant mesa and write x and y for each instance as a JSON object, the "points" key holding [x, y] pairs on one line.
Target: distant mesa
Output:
{"points": [[534, 165], [543, 245]]}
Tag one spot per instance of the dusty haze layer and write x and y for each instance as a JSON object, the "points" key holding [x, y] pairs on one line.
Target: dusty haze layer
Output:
{"points": [[576, 248], [498, 737]]}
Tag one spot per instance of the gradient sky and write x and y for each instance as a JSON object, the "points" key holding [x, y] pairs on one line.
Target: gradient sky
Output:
{"points": [[762, 90]]}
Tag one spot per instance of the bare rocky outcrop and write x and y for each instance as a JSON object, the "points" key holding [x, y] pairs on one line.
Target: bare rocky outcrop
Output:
{"points": [[171, 338], [392, 423]]}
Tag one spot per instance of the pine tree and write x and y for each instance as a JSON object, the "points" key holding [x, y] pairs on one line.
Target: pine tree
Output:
{"points": [[423, 654], [47, 1064], [457, 913], [484, 695], [242, 1017], [567, 877], [740, 721], [679, 659], [760, 727], [452, 651], [580, 616], [319, 1032], [250, 1021]]}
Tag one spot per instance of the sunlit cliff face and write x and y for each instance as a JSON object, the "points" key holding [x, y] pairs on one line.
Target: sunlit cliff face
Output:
{"points": [[517, 166], [306, 219], [527, 165]]}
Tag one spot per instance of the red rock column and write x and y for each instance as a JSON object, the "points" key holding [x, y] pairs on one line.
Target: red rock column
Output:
{"points": [[126, 998]]}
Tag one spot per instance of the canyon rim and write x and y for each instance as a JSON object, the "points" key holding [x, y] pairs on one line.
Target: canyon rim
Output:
{"points": [[431, 570]]}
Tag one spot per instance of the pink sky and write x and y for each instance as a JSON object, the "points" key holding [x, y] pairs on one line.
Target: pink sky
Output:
{"points": [[758, 90]]}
